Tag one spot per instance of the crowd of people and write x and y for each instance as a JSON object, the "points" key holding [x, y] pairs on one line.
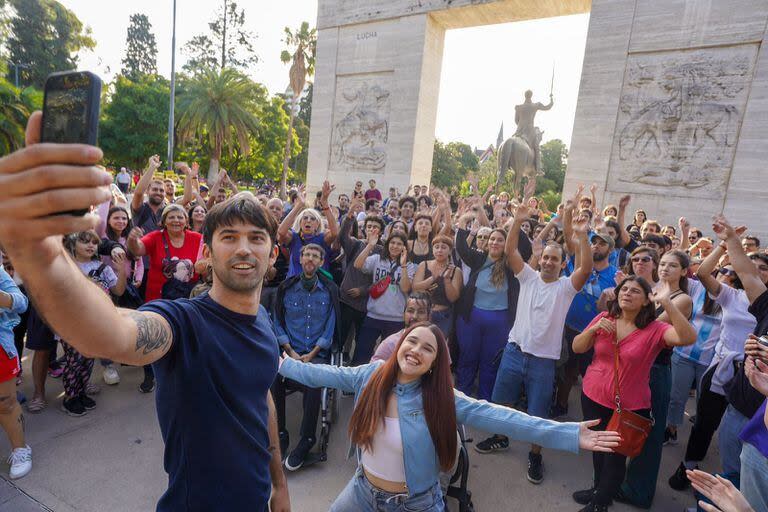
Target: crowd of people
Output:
{"points": [[480, 310]]}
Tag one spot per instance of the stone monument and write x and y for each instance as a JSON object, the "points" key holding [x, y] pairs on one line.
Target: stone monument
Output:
{"points": [[672, 106]]}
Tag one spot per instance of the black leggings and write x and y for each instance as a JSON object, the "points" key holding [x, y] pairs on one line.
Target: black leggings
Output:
{"points": [[709, 411], [609, 468]]}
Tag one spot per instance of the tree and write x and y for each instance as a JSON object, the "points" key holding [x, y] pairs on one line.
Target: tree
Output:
{"points": [[300, 52], [141, 49], [45, 37], [554, 157], [16, 105], [226, 44], [220, 106], [451, 163], [133, 123]]}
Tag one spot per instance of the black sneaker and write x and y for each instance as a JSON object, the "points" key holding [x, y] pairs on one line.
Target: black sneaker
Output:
{"points": [[73, 407], [87, 402], [495, 443], [147, 385], [670, 437], [285, 442], [584, 497], [299, 454], [535, 473], [679, 481]]}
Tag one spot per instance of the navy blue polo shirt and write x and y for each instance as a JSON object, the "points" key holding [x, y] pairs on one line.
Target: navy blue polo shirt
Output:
{"points": [[211, 404]]}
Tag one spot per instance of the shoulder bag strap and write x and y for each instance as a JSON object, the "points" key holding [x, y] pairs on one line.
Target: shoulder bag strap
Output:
{"points": [[165, 245], [617, 396]]}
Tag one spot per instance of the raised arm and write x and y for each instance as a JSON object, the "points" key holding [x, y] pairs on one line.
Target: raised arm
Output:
{"points": [[189, 186], [367, 250], [405, 279], [453, 282], [134, 243], [682, 332], [704, 272], [333, 225], [284, 235], [584, 261], [745, 269], [685, 230], [620, 219], [153, 164], [345, 378]]}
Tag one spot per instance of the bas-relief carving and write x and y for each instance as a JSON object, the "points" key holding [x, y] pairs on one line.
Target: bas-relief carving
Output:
{"points": [[679, 117], [361, 123]]}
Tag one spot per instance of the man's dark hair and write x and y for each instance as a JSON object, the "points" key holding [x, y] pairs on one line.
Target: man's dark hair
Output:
{"points": [[343, 195], [753, 238], [376, 220], [655, 239], [423, 298], [615, 226], [407, 199], [698, 233], [370, 204], [239, 208], [667, 241], [314, 247]]}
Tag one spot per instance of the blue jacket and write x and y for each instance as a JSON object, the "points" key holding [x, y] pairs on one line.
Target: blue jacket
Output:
{"points": [[9, 318], [422, 467]]}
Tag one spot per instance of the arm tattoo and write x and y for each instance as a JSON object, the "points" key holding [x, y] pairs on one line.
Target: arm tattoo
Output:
{"points": [[151, 334]]}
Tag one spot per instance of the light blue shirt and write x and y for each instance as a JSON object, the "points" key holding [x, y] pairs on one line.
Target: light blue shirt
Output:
{"points": [[309, 318], [487, 296], [9, 317], [422, 467]]}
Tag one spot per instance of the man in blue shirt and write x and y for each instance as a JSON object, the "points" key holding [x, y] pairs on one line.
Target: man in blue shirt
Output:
{"points": [[305, 317], [215, 356], [583, 310]]}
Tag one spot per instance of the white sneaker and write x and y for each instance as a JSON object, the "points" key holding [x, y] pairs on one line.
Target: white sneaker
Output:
{"points": [[111, 377], [21, 462]]}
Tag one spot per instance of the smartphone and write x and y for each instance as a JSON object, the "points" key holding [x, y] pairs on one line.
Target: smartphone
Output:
{"points": [[763, 340], [71, 105]]}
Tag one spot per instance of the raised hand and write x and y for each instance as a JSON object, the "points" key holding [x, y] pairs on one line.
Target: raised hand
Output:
{"points": [[529, 189], [593, 188], [624, 201], [154, 162], [372, 239], [522, 211], [580, 224], [326, 193], [685, 226], [404, 257], [722, 228], [607, 325], [135, 233], [661, 293], [195, 168], [619, 277]]}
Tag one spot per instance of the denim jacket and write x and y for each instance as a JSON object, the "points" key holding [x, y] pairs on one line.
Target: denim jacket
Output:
{"points": [[9, 318], [422, 467]]}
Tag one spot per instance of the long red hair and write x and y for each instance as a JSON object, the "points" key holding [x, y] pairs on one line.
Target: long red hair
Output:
{"points": [[437, 396]]}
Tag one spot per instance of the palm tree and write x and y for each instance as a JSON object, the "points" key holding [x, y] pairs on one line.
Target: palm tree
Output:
{"points": [[301, 52], [16, 105], [217, 105]]}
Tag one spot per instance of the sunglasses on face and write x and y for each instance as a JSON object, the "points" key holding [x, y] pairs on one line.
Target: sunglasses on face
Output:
{"points": [[482, 237], [726, 272], [644, 259]]}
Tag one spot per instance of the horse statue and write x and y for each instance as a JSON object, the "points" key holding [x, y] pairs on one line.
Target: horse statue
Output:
{"points": [[516, 155]]}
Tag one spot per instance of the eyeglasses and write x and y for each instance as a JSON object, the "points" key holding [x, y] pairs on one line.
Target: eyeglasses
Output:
{"points": [[726, 272], [693, 238], [482, 237], [644, 259]]}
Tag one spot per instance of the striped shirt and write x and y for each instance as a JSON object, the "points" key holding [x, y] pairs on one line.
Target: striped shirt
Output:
{"points": [[707, 328]]}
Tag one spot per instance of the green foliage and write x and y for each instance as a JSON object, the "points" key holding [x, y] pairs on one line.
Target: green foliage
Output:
{"points": [[134, 121], [220, 107], [15, 107], [301, 126], [141, 49], [451, 163], [554, 156], [551, 198], [226, 44], [45, 36]]}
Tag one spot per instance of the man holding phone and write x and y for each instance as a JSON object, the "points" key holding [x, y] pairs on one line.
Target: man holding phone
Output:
{"points": [[204, 417]]}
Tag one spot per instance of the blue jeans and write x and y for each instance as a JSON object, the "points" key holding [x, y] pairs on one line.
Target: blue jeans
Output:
{"points": [[444, 320], [639, 486], [754, 477], [518, 369], [728, 440], [684, 371], [480, 341], [371, 330], [360, 496]]}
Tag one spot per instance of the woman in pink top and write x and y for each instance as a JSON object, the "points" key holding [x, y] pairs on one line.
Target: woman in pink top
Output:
{"points": [[630, 326]]}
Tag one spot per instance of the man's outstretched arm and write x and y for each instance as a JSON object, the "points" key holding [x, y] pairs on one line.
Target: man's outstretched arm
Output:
{"points": [[36, 183]]}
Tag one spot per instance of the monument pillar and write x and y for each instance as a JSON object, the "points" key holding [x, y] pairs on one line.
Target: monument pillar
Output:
{"points": [[374, 103]]}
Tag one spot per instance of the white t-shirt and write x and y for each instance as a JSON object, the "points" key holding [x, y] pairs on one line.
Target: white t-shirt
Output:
{"points": [[737, 324], [391, 305], [123, 177], [541, 311]]}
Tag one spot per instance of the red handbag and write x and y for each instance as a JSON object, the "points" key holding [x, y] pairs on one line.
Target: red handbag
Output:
{"points": [[632, 427], [378, 289]]}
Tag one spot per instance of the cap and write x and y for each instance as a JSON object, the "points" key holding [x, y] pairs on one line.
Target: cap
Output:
{"points": [[605, 237], [203, 187]]}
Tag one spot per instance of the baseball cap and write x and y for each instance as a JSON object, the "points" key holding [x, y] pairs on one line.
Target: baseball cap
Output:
{"points": [[605, 237]]}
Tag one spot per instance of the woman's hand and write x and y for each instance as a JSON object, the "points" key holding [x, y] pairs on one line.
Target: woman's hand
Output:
{"points": [[618, 278], [354, 292], [720, 491], [609, 326], [757, 373], [661, 293], [597, 440], [404, 257], [608, 295]]}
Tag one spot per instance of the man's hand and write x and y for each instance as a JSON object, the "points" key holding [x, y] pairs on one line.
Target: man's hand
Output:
{"points": [[624, 201], [684, 225], [522, 212], [280, 501], [40, 181], [153, 163], [135, 234], [354, 292], [722, 228], [580, 225]]}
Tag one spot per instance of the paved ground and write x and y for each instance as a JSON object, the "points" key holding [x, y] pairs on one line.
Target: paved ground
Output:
{"points": [[111, 460]]}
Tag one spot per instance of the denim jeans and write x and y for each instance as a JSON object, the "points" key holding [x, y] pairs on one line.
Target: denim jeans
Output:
{"points": [[370, 331], [684, 371], [754, 477], [518, 369], [480, 341], [360, 496], [444, 320], [728, 440]]}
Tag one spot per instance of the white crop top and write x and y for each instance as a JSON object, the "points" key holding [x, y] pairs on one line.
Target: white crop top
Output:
{"points": [[385, 460]]}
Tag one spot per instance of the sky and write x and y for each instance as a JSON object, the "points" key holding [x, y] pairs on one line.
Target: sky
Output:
{"points": [[493, 65]]}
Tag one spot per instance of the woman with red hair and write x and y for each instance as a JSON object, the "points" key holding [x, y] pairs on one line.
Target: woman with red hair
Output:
{"points": [[404, 423]]}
